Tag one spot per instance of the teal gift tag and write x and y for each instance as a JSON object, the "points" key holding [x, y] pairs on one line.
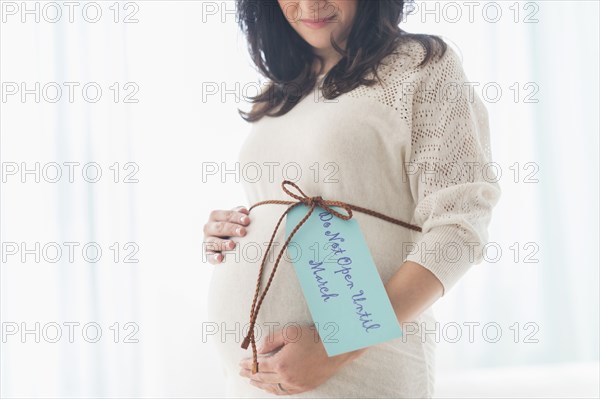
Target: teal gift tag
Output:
{"points": [[344, 292]]}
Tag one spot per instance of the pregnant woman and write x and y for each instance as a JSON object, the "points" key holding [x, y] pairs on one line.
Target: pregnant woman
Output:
{"points": [[359, 111]]}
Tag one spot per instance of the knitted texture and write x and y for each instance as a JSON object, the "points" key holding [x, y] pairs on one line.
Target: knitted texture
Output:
{"points": [[452, 179], [412, 148]]}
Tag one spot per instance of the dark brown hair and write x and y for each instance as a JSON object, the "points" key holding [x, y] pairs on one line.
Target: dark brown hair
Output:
{"points": [[286, 60]]}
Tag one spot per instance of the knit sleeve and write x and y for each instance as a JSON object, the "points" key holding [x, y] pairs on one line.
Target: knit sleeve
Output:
{"points": [[452, 181]]}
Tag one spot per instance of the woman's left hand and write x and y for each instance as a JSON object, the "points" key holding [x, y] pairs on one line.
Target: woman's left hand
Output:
{"points": [[300, 364]]}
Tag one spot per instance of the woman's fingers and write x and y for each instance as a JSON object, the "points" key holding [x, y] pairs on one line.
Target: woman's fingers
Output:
{"points": [[271, 388], [221, 225], [230, 216], [216, 244], [213, 247], [225, 223], [224, 229], [241, 209], [264, 377], [214, 258]]}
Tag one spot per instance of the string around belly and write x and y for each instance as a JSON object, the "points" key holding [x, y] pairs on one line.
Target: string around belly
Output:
{"points": [[312, 203]]}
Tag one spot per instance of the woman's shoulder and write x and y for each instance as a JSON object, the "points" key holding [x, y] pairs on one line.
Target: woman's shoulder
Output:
{"points": [[402, 72], [406, 61]]}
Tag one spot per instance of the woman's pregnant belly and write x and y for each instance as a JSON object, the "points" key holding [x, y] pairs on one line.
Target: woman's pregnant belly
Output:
{"points": [[233, 285], [409, 360]]}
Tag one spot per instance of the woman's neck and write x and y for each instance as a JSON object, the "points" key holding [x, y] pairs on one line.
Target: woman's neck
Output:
{"points": [[331, 57]]}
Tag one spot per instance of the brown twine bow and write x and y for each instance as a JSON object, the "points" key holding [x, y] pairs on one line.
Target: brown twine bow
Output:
{"points": [[312, 202]]}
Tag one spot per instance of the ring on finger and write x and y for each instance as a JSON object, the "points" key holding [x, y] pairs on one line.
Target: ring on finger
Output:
{"points": [[281, 388]]}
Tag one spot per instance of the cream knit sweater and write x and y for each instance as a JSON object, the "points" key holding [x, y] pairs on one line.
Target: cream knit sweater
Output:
{"points": [[413, 148]]}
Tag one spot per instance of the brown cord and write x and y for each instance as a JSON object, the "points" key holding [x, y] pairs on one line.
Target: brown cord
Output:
{"points": [[312, 202]]}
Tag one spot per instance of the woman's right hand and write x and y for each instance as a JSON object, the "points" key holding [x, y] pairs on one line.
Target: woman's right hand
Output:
{"points": [[221, 226]]}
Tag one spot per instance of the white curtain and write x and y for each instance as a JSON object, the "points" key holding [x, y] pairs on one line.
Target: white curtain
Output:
{"points": [[544, 131], [68, 184], [539, 63]]}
